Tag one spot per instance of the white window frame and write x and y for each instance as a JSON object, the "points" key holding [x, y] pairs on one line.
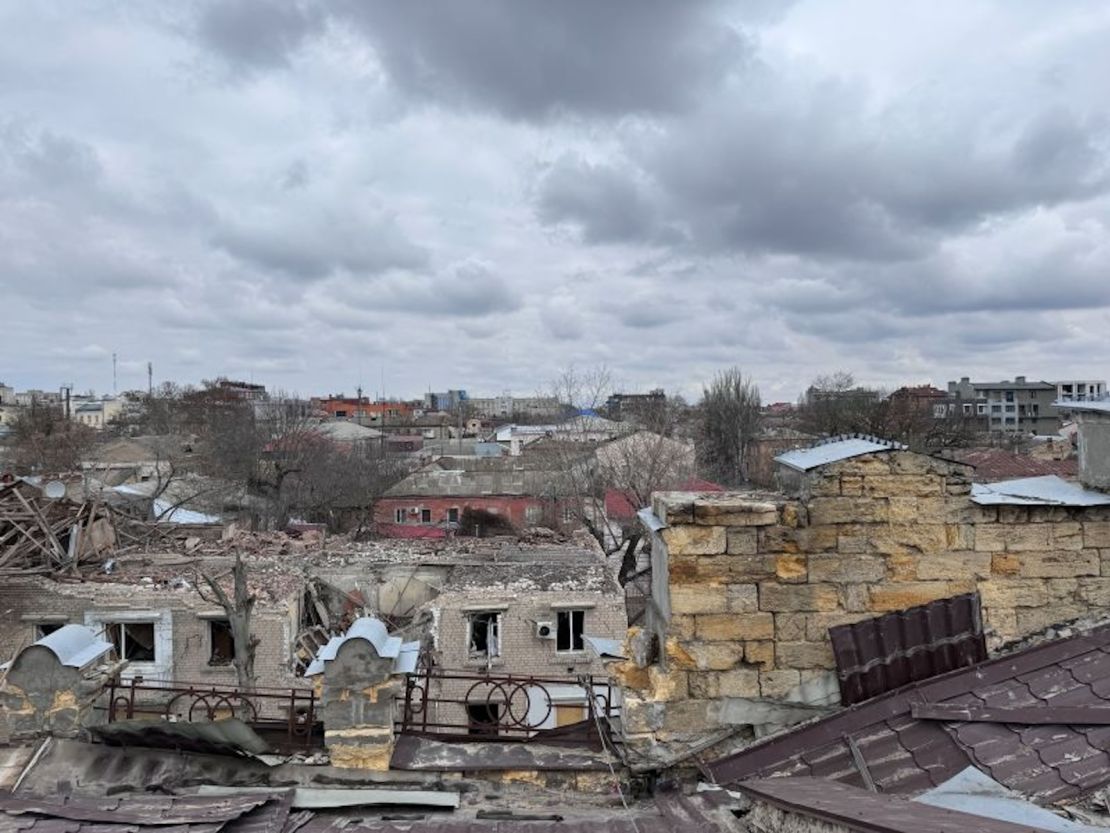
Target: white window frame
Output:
{"points": [[162, 666], [399, 516], [493, 640], [569, 613]]}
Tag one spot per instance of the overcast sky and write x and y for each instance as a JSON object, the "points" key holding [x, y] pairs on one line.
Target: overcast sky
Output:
{"points": [[476, 194]]}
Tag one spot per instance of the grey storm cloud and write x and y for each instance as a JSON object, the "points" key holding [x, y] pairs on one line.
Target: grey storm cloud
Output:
{"points": [[533, 58], [257, 34], [311, 247], [501, 187]]}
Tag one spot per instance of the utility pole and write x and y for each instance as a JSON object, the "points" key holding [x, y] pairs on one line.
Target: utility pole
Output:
{"points": [[66, 390]]}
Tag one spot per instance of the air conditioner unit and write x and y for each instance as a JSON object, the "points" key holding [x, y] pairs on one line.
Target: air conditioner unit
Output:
{"points": [[415, 510], [545, 630]]}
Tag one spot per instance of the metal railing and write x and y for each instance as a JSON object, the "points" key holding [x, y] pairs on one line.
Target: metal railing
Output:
{"points": [[291, 712], [468, 706]]}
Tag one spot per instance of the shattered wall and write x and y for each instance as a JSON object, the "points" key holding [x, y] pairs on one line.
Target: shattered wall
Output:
{"points": [[755, 581], [182, 622]]}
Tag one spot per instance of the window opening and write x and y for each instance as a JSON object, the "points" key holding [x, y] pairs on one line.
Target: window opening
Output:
{"points": [[221, 642], [485, 634], [570, 625], [133, 640], [483, 718]]}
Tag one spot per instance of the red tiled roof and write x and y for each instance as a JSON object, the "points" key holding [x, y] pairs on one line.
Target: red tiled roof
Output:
{"points": [[620, 504], [993, 464]]}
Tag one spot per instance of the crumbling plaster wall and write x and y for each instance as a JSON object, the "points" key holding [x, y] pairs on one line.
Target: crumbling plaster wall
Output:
{"points": [[755, 581], [25, 602]]}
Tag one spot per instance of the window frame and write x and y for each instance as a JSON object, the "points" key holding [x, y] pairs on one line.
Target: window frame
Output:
{"points": [[570, 615], [497, 622]]}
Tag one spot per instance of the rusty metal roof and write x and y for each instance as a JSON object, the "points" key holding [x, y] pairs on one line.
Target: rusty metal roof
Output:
{"points": [[138, 813], [856, 809], [141, 813], [881, 654], [883, 741]]}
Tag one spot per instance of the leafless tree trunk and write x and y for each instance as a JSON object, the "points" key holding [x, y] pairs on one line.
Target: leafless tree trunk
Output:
{"points": [[238, 608]]}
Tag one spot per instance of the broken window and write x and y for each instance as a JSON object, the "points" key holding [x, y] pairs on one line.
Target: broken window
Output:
{"points": [[484, 634], [570, 625], [399, 515], [221, 643], [425, 516], [46, 628], [482, 718], [133, 640]]}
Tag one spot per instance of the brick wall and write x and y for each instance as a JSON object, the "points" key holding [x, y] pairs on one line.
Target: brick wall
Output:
{"points": [[27, 601], [755, 581]]}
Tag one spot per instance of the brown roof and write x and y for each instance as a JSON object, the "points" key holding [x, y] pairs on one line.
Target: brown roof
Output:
{"points": [[905, 754], [856, 809], [993, 464], [884, 653]]}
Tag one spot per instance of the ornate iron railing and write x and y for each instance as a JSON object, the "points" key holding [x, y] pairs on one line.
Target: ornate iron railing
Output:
{"points": [[467, 706], [289, 712]]}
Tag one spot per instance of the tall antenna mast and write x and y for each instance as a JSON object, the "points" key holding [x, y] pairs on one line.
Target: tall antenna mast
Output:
{"points": [[150, 378], [115, 380]]}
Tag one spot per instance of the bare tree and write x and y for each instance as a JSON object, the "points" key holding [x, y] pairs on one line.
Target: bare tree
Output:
{"points": [[238, 608], [591, 458], [44, 440], [730, 416]]}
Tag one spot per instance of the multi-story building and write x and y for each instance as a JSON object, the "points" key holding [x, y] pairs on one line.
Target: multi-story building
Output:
{"points": [[636, 406], [1080, 390], [507, 406], [7, 394], [450, 400], [1020, 406]]}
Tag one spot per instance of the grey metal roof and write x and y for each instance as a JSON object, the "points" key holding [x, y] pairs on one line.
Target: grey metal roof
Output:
{"points": [[75, 645], [605, 648], [852, 808], [229, 736], [325, 798], [835, 449], [1049, 490], [974, 792], [374, 631], [1099, 405]]}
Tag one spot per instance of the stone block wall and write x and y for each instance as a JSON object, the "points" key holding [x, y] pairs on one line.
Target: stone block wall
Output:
{"points": [[756, 580]]}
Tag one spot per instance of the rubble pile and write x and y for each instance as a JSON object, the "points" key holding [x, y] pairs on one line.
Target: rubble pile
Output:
{"points": [[50, 536]]}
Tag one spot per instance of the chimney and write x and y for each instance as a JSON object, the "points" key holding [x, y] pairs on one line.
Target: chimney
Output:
{"points": [[1094, 449], [1019, 380]]}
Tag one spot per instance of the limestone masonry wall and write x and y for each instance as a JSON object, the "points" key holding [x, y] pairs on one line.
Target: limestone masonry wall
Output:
{"points": [[755, 581]]}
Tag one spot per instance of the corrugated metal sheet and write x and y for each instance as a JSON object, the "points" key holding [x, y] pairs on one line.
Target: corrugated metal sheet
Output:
{"points": [[219, 737], [1049, 490], [137, 813], [980, 795], [75, 645], [374, 631], [881, 654], [858, 809], [605, 648], [907, 755], [835, 449]]}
